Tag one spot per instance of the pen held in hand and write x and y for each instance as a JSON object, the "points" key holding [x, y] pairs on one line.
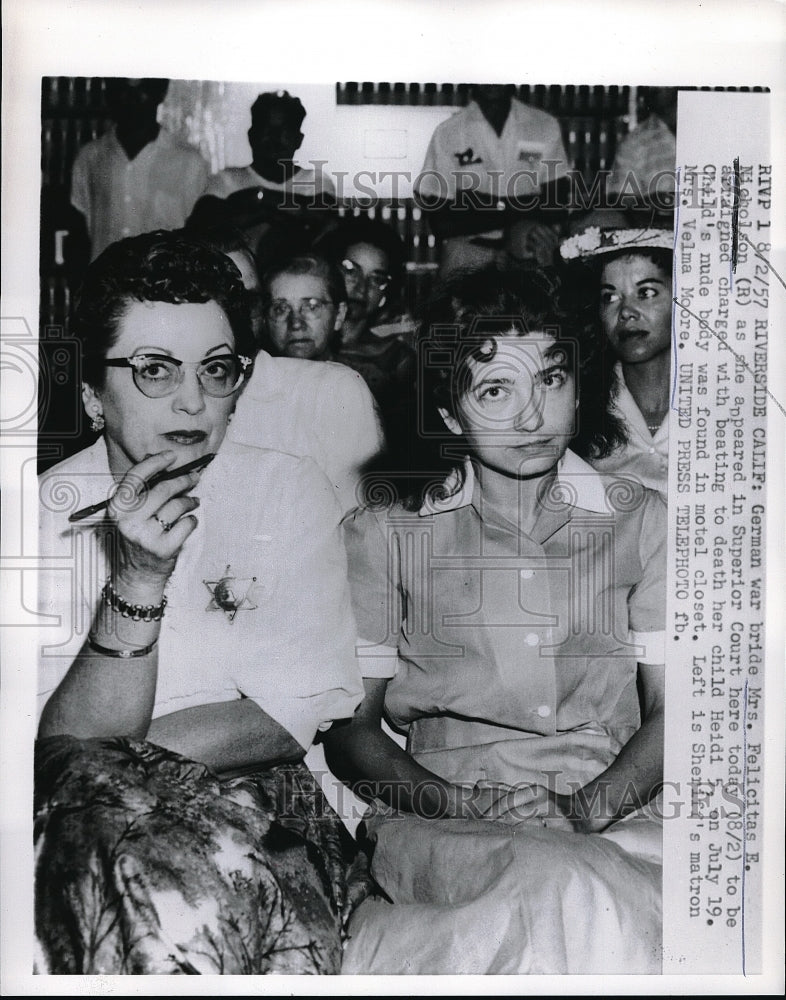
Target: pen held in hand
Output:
{"points": [[159, 477]]}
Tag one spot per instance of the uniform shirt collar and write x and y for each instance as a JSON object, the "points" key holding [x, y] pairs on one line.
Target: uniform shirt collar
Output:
{"points": [[96, 481], [581, 486], [164, 139], [473, 109]]}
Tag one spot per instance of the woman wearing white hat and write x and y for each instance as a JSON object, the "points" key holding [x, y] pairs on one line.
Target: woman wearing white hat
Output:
{"points": [[635, 291]]}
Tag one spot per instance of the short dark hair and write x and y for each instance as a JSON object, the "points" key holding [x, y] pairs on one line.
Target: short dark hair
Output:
{"points": [[161, 266], [278, 100], [117, 89], [223, 236], [336, 241], [471, 307], [313, 264], [464, 312], [661, 257]]}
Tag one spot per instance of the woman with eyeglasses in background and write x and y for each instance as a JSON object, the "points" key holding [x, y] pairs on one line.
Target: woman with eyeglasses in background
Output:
{"points": [[200, 636], [372, 258], [323, 412]]}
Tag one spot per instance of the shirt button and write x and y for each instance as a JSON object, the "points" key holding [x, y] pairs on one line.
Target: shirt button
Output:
{"points": [[652, 451], [544, 711], [531, 639], [526, 574]]}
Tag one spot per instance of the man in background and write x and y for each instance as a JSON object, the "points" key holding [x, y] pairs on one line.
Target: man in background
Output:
{"points": [[643, 175], [137, 177], [279, 205], [492, 180]]}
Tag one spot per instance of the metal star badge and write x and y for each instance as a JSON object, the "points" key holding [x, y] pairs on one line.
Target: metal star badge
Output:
{"points": [[230, 594]]}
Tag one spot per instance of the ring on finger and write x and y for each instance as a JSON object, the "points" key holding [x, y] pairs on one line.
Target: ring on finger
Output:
{"points": [[165, 525]]}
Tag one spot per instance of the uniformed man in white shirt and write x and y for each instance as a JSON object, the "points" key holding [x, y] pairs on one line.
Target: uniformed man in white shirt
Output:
{"points": [[491, 173]]}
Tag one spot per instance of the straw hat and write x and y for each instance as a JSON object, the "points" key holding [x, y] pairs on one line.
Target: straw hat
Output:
{"points": [[596, 240]]}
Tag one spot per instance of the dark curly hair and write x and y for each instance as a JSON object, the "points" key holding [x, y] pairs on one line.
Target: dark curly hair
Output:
{"points": [[336, 241], [290, 106], [583, 278], [465, 311], [161, 266], [659, 256]]}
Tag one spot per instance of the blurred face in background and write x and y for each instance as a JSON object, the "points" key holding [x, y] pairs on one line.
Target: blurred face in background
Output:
{"points": [[367, 277], [302, 320], [494, 101], [134, 101], [275, 136]]}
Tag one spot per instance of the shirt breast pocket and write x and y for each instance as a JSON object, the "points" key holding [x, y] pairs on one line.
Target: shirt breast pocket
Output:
{"points": [[530, 154], [531, 172]]}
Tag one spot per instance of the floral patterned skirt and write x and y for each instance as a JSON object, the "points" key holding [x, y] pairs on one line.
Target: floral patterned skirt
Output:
{"points": [[146, 862]]}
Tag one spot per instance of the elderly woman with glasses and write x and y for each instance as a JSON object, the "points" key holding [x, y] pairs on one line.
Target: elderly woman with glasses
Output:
{"points": [[197, 636], [317, 411], [304, 304]]}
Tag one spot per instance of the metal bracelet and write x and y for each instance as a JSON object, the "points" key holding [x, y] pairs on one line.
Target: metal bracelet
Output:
{"points": [[120, 654], [136, 612]]}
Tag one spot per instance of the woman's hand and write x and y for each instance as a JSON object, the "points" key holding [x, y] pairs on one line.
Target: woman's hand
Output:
{"points": [[517, 804], [107, 693], [498, 801], [152, 525]]}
